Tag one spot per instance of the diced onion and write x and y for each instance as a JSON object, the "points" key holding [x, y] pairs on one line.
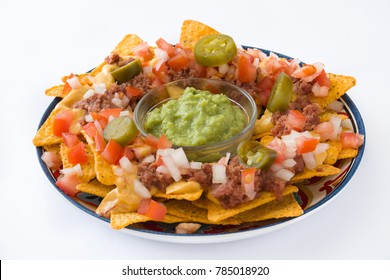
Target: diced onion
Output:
{"points": [[223, 69], [250, 191], [347, 124], [117, 102], [276, 166], [125, 101], [52, 160], [219, 173], [118, 171], [124, 113], [126, 164], [141, 190], [88, 94], [320, 148], [74, 82], [284, 174], [256, 62], [320, 91], [309, 160], [180, 158], [162, 169], [100, 88], [336, 122], [161, 54], [195, 165], [174, 171], [149, 159], [224, 160], [336, 106], [88, 118], [75, 169], [288, 163], [147, 69], [98, 127]]}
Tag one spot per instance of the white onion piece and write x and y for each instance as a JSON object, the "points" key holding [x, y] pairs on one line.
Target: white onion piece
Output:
{"points": [[111, 118], [256, 62], [100, 88], [124, 113], [161, 54], [320, 148], [162, 169], [224, 160], [74, 82], [141, 190], [276, 166], [88, 118], [336, 122], [118, 171], [180, 158], [320, 91], [88, 94], [250, 191], [195, 165], [174, 171], [336, 106], [125, 101], [149, 159], [310, 161], [147, 69], [98, 127], [284, 174], [126, 164], [75, 169], [347, 124], [319, 67], [219, 173], [223, 69], [288, 163], [52, 160], [117, 102]]}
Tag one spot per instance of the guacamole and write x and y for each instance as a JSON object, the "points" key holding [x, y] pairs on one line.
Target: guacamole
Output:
{"points": [[196, 118]]}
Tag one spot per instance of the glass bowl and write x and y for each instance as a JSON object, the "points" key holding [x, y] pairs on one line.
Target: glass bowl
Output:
{"points": [[173, 90]]}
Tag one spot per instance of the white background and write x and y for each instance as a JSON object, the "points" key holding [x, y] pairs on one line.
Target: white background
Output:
{"points": [[43, 40]]}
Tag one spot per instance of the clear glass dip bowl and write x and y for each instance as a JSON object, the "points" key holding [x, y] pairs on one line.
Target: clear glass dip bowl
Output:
{"points": [[209, 152]]}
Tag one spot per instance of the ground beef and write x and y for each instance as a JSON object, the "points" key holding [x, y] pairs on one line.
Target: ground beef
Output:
{"points": [[203, 176], [311, 113], [300, 166], [148, 175], [301, 87], [184, 73], [280, 128], [273, 184], [94, 103], [113, 58]]}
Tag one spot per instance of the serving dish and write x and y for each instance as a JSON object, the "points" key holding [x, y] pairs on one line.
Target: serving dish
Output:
{"points": [[313, 195]]}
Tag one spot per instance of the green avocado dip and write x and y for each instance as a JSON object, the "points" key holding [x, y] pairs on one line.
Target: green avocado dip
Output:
{"points": [[196, 118]]}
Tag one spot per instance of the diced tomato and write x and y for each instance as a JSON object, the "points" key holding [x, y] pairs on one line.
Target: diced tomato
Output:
{"points": [[306, 144], [200, 70], [152, 209], [351, 140], [160, 70], [296, 120], [133, 91], [323, 79], [52, 160], [265, 87], [178, 61], [112, 152], [280, 148], [143, 50], [164, 45], [164, 143], [247, 72], [151, 141], [127, 152], [62, 122], [305, 71], [325, 130], [100, 143], [68, 184], [77, 154], [102, 120], [115, 112], [248, 176], [67, 88], [159, 161], [90, 129], [70, 139]]}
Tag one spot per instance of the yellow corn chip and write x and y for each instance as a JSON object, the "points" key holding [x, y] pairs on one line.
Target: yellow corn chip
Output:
{"points": [[325, 117], [323, 171], [96, 188], [88, 168], [125, 47], [192, 31], [52, 148], [339, 85], [45, 136], [348, 153], [122, 220], [186, 196], [288, 207], [187, 210], [216, 213], [56, 91], [333, 152], [201, 202]]}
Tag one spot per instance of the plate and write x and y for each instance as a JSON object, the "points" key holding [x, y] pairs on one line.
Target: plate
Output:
{"points": [[313, 194]]}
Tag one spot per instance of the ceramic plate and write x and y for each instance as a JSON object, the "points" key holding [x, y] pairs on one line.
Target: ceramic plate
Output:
{"points": [[313, 194]]}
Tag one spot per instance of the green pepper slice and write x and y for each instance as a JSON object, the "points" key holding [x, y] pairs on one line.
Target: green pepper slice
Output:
{"points": [[214, 50], [281, 94], [122, 129], [127, 72], [252, 154]]}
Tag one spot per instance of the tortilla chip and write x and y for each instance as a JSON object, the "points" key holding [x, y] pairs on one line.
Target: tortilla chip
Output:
{"points": [[125, 47], [122, 220], [216, 213], [287, 207], [192, 31], [189, 211], [347, 153], [323, 171], [266, 140], [186, 196], [339, 85], [56, 91], [333, 152], [52, 148], [88, 168], [96, 188], [201, 202], [325, 117], [45, 136], [97, 69]]}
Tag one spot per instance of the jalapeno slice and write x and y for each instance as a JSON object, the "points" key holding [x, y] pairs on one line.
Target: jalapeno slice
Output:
{"points": [[127, 72], [252, 154], [214, 50], [122, 130], [281, 94]]}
